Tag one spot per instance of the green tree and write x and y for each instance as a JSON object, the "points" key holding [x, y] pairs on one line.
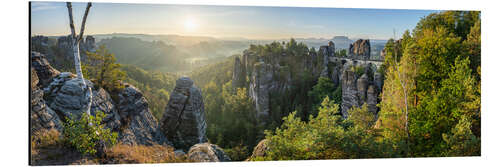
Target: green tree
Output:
{"points": [[102, 67], [460, 141]]}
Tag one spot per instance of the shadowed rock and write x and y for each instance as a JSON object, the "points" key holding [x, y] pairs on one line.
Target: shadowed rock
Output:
{"points": [[138, 123], [207, 152], [183, 121], [43, 69]]}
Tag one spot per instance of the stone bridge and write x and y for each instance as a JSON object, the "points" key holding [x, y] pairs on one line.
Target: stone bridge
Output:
{"points": [[356, 61]]}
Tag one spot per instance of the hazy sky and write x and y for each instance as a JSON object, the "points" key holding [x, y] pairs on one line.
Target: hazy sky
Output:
{"points": [[51, 18]]}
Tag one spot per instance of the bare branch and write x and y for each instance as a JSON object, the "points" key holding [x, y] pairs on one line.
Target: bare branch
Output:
{"points": [[71, 24], [80, 37]]}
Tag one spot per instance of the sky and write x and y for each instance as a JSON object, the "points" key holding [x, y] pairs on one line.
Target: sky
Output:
{"points": [[51, 18]]}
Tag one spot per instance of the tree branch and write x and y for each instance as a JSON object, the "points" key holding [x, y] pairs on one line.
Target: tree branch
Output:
{"points": [[71, 24], [80, 37]]}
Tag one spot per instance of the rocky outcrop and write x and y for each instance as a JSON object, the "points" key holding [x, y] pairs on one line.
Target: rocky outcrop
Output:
{"points": [[358, 90], [43, 69], [63, 97], [40, 44], [206, 152], [41, 116], [326, 52], [184, 122], [239, 73], [349, 92], [260, 150], [89, 44], [64, 44], [138, 124], [360, 49]]}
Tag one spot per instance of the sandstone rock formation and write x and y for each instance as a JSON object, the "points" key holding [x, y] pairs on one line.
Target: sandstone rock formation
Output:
{"points": [[40, 44], [184, 122], [358, 90], [66, 97], [360, 49], [64, 44], [139, 125], [43, 69], [63, 97], [327, 52], [239, 73], [206, 152], [260, 149], [41, 116]]}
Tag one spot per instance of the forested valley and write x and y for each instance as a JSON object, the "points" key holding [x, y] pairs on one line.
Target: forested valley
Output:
{"points": [[286, 101]]}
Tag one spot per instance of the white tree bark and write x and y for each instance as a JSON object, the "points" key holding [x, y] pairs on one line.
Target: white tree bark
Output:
{"points": [[75, 42]]}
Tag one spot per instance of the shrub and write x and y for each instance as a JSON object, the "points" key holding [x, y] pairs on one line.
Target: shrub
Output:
{"points": [[238, 153], [86, 133]]}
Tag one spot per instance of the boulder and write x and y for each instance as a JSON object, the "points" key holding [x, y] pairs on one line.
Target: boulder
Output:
{"points": [[184, 122], [139, 126], [206, 152], [261, 149], [66, 97]]}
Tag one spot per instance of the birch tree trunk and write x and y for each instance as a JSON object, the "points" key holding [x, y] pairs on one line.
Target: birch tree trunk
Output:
{"points": [[75, 43]]}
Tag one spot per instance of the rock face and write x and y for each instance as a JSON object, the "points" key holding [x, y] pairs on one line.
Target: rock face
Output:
{"points": [[184, 122], [327, 53], [43, 69], [358, 90], [360, 49], [64, 44], [206, 152], [41, 116], [239, 73], [260, 149], [272, 75], [40, 43], [139, 125], [66, 97]]}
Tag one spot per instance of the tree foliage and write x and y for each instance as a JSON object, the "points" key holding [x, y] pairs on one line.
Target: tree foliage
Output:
{"points": [[440, 65], [101, 67]]}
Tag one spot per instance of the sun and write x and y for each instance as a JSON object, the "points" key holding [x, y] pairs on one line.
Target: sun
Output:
{"points": [[190, 25]]}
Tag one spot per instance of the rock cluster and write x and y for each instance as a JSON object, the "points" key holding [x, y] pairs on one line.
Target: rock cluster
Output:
{"points": [[63, 97], [272, 75], [358, 90], [64, 44], [206, 152], [183, 121], [360, 49]]}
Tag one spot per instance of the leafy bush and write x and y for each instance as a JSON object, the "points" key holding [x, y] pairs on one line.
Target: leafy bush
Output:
{"points": [[326, 136], [86, 133], [238, 153]]}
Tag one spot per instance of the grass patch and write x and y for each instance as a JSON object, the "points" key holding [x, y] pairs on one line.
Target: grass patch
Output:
{"points": [[122, 153]]}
